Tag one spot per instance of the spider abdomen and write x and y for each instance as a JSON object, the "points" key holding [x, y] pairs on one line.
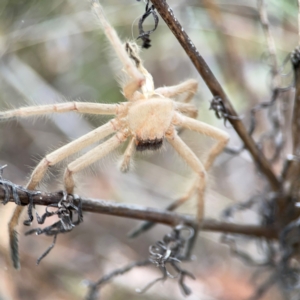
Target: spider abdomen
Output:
{"points": [[148, 121]]}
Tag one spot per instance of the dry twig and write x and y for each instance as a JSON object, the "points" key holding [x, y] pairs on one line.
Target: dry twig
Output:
{"points": [[147, 214]]}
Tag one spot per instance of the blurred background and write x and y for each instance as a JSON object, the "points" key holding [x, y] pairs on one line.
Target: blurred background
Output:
{"points": [[55, 51]]}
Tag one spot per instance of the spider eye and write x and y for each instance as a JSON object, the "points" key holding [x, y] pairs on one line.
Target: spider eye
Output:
{"points": [[142, 145]]}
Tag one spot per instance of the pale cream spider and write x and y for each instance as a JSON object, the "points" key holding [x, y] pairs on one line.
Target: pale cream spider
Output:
{"points": [[148, 119]]}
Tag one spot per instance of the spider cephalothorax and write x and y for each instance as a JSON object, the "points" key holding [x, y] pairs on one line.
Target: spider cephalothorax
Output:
{"points": [[149, 117], [149, 121]]}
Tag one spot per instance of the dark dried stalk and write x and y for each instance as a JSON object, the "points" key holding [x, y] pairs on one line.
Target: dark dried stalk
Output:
{"points": [[214, 86], [296, 115], [94, 287], [147, 214], [292, 174]]}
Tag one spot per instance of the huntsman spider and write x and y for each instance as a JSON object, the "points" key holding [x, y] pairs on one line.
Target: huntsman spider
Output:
{"points": [[149, 118]]}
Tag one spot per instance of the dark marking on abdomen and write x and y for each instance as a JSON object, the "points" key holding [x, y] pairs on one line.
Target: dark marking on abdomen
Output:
{"points": [[142, 145]]}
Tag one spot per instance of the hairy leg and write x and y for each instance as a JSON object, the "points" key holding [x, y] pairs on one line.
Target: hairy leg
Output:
{"points": [[89, 158], [13, 236], [219, 135], [222, 139], [67, 150], [137, 78], [187, 109], [189, 86], [82, 107], [40, 170], [133, 52], [192, 160], [125, 165]]}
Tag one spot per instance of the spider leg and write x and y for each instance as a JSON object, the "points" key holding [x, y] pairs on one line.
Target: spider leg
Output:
{"points": [[191, 159], [89, 158], [13, 236], [189, 86], [67, 150], [147, 88], [127, 155], [222, 138], [82, 107], [219, 135], [137, 78], [184, 198], [187, 109], [208, 130], [40, 170]]}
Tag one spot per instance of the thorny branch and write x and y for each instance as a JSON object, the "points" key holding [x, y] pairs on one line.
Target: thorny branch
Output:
{"points": [[214, 86]]}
